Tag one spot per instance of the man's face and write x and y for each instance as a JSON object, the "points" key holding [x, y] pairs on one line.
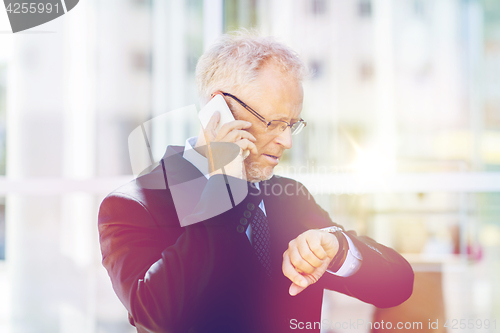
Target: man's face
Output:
{"points": [[275, 96]]}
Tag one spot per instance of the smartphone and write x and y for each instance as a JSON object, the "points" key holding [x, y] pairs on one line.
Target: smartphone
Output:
{"points": [[217, 103]]}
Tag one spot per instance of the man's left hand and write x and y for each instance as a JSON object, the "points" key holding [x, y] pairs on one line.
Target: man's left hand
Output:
{"points": [[308, 257]]}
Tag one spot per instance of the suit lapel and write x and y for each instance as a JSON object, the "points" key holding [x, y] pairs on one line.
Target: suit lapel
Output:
{"points": [[185, 181]]}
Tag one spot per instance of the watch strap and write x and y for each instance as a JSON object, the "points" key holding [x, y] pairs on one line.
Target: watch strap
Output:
{"points": [[339, 258]]}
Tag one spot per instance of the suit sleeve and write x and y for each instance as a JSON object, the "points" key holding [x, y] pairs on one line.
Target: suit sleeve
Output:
{"points": [[161, 274], [384, 279]]}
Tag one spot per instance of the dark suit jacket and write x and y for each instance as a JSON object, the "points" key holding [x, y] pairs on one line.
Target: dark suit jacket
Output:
{"points": [[206, 278]]}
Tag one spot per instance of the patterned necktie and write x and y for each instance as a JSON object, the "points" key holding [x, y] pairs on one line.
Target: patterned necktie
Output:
{"points": [[261, 239]]}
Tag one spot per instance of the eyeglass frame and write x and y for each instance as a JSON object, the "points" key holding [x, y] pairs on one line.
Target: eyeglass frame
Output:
{"points": [[261, 118]]}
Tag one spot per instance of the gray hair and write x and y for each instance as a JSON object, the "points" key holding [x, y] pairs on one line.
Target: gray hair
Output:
{"points": [[235, 59]]}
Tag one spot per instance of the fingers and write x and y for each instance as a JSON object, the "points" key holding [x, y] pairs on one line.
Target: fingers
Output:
{"points": [[291, 273], [232, 125], [298, 261], [299, 281], [244, 144], [295, 289], [305, 260], [233, 131], [315, 246], [306, 251], [236, 135], [209, 131]]}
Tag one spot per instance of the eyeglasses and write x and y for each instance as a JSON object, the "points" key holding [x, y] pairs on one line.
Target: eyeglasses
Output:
{"points": [[274, 126]]}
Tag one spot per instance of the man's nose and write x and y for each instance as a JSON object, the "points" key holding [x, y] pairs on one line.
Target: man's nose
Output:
{"points": [[285, 138]]}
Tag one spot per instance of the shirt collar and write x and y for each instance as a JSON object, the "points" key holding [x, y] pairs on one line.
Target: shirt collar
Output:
{"points": [[192, 156]]}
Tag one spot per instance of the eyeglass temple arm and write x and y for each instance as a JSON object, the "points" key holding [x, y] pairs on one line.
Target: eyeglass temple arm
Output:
{"points": [[249, 109]]}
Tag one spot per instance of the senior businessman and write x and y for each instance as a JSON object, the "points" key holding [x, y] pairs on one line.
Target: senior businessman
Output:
{"points": [[262, 264]]}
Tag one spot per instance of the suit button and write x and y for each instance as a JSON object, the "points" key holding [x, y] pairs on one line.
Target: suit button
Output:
{"points": [[243, 221], [247, 214], [250, 206], [240, 229]]}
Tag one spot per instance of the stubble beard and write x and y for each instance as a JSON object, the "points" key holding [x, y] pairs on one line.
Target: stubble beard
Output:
{"points": [[256, 173]]}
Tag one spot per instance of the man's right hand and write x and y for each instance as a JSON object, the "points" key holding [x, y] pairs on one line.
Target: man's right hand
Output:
{"points": [[233, 132]]}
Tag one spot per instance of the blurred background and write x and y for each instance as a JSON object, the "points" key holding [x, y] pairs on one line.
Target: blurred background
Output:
{"points": [[402, 143]]}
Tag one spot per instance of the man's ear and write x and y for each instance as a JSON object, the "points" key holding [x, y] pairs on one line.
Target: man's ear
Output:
{"points": [[228, 100], [204, 100], [217, 93]]}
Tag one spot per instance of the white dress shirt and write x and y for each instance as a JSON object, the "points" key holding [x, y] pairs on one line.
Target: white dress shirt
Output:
{"points": [[353, 258]]}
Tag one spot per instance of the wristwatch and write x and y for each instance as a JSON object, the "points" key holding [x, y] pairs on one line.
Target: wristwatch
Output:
{"points": [[339, 258]]}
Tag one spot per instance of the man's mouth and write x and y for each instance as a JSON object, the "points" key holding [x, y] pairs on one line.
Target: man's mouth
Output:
{"points": [[272, 158]]}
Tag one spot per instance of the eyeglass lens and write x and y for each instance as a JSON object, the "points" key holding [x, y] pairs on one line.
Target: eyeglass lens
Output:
{"points": [[279, 126]]}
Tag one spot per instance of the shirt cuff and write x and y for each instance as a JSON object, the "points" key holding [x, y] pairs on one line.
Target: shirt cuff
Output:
{"points": [[352, 261]]}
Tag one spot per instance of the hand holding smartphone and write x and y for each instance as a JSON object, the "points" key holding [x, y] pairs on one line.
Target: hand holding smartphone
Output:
{"points": [[217, 103], [244, 140]]}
